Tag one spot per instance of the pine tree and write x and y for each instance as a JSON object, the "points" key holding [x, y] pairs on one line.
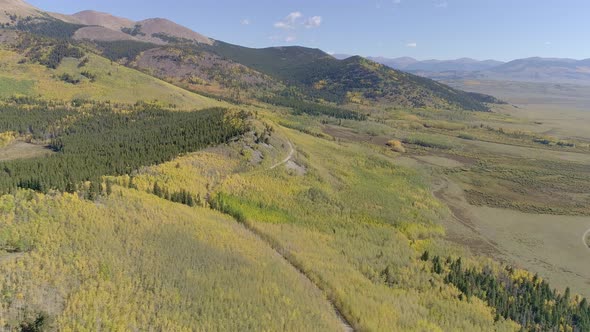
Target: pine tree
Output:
{"points": [[109, 188]]}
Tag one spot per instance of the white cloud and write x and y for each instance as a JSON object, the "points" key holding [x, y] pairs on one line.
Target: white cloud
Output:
{"points": [[245, 22], [412, 44], [292, 17], [313, 22], [296, 19], [289, 21], [292, 25], [548, 43], [443, 4], [397, 2]]}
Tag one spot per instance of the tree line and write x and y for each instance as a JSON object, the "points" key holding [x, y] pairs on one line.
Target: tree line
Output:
{"points": [[300, 106], [103, 141], [527, 300]]}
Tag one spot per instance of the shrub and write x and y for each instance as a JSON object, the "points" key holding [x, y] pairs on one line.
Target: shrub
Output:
{"points": [[69, 78], [396, 146]]}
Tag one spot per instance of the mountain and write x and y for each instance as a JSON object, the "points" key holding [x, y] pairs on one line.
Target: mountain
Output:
{"points": [[12, 9], [153, 30], [397, 63], [165, 30], [542, 70], [353, 80], [91, 17], [535, 69], [413, 65]]}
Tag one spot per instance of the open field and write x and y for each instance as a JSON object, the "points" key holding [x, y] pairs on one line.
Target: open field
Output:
{"points": [[549, 245], [22, 150], [561, 110]]}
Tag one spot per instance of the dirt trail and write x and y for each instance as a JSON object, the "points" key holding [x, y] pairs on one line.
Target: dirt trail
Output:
{"points": [[284, 161], [281, 253]]}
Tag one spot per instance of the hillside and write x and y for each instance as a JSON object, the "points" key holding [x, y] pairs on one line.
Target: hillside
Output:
{"points": [[353, 80], [202, 71], [163, 30], [44, 71], [91, 17], [97, 33], [12, 10], [153, 30]]}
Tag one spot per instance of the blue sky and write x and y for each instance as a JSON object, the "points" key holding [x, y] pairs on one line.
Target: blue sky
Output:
{"points": [[424, 29]]}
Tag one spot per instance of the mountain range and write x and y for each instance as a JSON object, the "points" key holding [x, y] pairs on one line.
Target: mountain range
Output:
{"points": [[185, 58], [534, 69]]}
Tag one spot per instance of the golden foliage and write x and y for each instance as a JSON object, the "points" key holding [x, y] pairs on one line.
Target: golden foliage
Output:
{"points": [[396, 146]]}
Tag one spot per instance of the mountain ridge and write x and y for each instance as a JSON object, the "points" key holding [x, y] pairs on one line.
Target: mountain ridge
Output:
{"points": [[531, 69]]}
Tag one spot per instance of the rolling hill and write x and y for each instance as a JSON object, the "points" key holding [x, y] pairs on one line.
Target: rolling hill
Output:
{"points": [[353, 80]]}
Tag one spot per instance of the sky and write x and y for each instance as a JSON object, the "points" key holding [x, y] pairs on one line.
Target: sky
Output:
{"points": [[423, 29]]}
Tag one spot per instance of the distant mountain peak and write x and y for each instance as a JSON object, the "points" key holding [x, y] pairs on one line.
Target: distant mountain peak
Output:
{"points": [[11, 8], [92, 17]]}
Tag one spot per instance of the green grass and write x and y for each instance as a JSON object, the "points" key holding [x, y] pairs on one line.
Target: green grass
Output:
{"points": [[540, 186], [10, 87]]}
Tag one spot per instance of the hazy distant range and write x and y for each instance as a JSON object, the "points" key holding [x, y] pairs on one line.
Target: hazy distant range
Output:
{"points": [[550, 70]]}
